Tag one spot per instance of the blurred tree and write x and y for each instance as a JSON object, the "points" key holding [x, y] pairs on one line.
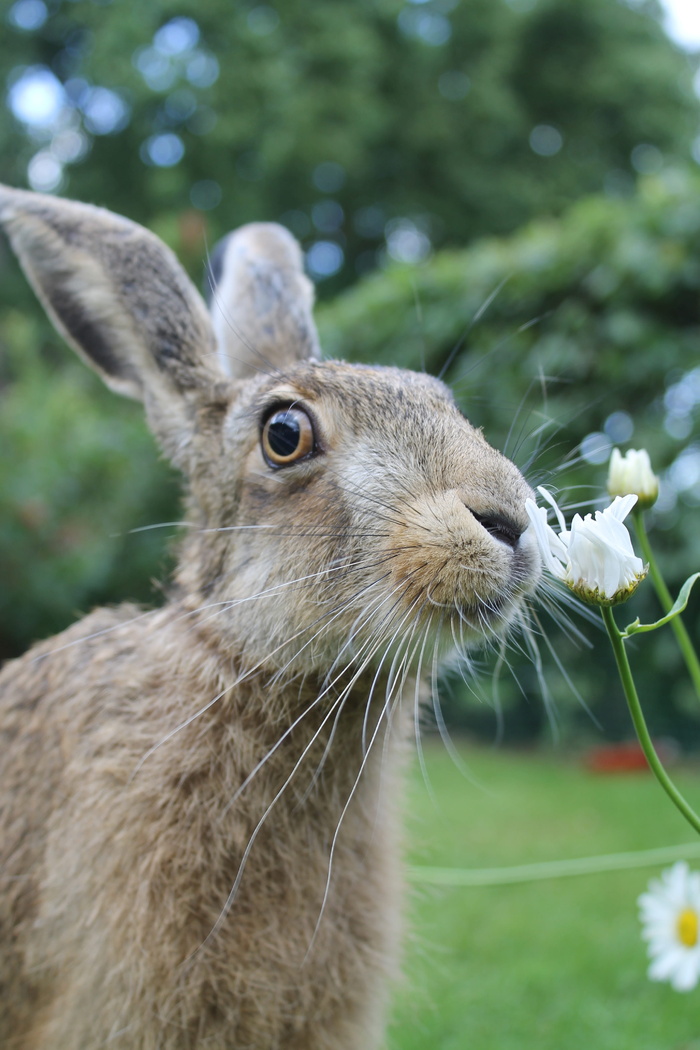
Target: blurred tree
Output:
{"points": [[368, 127]]}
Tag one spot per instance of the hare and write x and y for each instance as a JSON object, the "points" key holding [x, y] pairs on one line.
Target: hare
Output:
{"points": [[200, 803]]}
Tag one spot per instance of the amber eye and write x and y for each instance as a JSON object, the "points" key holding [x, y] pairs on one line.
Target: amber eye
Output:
{"points": [[288, 436]]}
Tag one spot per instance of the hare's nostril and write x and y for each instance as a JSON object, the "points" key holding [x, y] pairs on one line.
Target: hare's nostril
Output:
{"points": [[500, 527]]}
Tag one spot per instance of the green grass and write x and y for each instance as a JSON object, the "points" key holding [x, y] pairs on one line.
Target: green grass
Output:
{"points": [[556, 964]]}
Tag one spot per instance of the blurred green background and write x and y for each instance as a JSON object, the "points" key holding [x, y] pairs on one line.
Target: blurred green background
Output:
{"points": [[552, 964], [507, 190]]}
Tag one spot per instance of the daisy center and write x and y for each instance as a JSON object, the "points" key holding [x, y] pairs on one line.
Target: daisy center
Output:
{"points": [[687, 927]]}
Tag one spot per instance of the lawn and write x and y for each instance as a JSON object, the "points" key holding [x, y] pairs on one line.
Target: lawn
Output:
{"points": [[555, 964]]}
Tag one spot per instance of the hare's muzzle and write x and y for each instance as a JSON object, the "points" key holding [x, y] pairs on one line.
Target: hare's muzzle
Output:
{"points": [[500, 527]]}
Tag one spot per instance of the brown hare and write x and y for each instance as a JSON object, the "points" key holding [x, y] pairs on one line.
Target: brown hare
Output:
{"points": [[200, 803]]}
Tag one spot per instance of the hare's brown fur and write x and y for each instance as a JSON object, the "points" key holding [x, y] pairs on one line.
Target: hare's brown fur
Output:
{"points": [[198, 804], [117, 877]]}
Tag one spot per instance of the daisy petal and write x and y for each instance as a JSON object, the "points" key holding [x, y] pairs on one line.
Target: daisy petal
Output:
{"points": [[670, 915]]}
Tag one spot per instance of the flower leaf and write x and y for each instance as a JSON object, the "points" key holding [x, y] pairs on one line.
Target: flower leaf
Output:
{"points": [[678, 606]]}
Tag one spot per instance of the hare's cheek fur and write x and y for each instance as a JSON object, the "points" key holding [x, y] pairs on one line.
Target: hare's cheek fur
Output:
{"points": [[446, 534]]}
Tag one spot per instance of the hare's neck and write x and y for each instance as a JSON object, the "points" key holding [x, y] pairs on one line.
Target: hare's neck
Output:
{"points": [[305, 741], [271, 739]]}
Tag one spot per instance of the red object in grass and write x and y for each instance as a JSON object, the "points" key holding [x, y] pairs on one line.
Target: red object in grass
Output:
{"points": [[616, 758]]}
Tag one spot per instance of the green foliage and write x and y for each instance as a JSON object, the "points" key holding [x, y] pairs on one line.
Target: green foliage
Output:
{"points": [[559, 326], [78, 470], [441, 121]]}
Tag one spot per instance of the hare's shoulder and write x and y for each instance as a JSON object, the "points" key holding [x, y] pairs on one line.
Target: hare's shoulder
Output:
{"points": [[70, 688], [74, 726], [40, 695], [65, 661]]}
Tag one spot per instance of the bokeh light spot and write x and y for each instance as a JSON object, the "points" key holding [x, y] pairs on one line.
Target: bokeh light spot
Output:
{"points": [[202, 69], [262, 20], [163, 151], [205, 194], [177, 36], [44, 172], [405, 242], [37, 97], [105, 111], [328, 177], [324, 259], [546, 140], [327, 216], [647, 159], [28, 15], [596, 448]]}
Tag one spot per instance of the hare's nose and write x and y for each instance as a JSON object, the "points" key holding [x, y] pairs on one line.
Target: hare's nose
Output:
{"points": [[500, 527]]}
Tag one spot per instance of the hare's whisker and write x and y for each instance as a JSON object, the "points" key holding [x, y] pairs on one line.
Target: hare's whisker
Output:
{"points": [[562, 670], [95, 634], [364, 617], [547, 699], [519, 421], [274, 590], [325, 691], [387, 649], [155, 525], [417, 714], [349, 801], [407, 665], [447, 740], [251, 841], [470, 325], [240, 678], [375, 645]]}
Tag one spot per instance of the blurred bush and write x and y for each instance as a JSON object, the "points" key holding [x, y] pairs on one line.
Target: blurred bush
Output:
{"points": [[78, 471]]}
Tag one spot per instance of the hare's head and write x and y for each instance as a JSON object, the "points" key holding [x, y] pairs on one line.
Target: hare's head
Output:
{"points": [[334, 508]]}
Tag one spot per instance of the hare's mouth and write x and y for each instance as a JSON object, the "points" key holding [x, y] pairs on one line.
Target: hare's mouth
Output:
{"points": [[489, 617], [483, 604], [492, 614]]}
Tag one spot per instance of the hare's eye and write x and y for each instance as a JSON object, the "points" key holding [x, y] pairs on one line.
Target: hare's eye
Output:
{"points": [[288, 436]]}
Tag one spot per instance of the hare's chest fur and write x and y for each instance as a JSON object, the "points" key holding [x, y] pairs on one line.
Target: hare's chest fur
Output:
{"points": [[140, 909]]}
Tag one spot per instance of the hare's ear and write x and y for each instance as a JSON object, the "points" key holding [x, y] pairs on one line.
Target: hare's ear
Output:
{"points": [[261, 301], [121, 299]]}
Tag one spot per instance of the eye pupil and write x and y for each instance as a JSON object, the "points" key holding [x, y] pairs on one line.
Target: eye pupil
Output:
{"points": [[284, 434], [287, 437]]}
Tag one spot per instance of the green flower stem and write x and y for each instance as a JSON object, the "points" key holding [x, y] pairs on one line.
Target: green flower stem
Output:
{"points": [[682, 636], [640, 725]]}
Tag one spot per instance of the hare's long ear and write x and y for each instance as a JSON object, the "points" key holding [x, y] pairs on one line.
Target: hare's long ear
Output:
{"points": [[121, 299], [261, 301]]}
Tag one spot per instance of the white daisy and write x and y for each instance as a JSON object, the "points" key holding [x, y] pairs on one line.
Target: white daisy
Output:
{"points": [[670, 915], [632, 473], [594, 558]]}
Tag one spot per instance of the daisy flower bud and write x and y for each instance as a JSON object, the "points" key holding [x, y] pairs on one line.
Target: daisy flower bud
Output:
{"points": [[670, 915], [594, 558], [632, 473]]}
